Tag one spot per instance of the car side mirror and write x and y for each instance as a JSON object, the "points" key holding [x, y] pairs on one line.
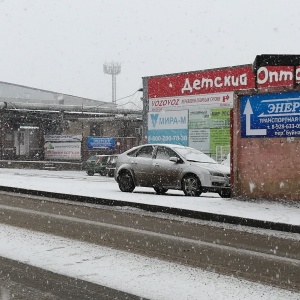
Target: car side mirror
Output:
{"points": [[174, 159]]}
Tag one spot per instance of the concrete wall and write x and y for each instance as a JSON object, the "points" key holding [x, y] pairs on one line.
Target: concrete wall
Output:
{"points": [[264, 167]]}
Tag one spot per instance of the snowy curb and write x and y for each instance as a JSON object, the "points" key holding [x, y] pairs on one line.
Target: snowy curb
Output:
{"points": [[162, 209]]}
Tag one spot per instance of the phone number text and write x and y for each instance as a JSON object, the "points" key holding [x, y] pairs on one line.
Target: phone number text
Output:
{"points": [[167, 138], [285, 126]]}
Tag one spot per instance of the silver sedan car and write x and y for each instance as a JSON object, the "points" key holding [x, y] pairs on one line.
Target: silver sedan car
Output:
{"points": [[166, 166]]}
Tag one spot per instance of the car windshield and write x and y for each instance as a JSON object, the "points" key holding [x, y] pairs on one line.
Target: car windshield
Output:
{"points": [[195, 155], [112, 159]]}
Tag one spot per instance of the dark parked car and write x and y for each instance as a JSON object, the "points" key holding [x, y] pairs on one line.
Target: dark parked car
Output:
{"points": [[164, 166], [103, 164]]}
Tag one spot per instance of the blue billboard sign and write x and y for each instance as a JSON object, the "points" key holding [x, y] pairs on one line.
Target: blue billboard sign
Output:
{"points": [[168, 136], [270, 115], [101, 143], [168, 127]]}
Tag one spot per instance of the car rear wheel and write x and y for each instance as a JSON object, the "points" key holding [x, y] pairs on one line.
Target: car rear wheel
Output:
{"points": [[125, 182], [160, 190], [90, 172], [191, 186]]}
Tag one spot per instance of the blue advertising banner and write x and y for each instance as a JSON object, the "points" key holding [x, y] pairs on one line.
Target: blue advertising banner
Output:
{"points": [[171, 119], [270, 115], [101, 143], [168, 136]]}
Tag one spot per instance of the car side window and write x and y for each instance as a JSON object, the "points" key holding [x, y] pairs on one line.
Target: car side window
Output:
{"points": [[104, 160], [132, 153], [92, 158], [146, 151], [165, 153]]}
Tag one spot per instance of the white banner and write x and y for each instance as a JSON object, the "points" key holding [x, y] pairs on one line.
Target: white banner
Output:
{"points": [[200, 139], [63, 138], [206, 100], [62, 151]]}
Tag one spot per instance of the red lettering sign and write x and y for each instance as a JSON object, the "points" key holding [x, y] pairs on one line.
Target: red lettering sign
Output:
{"points": [[219, 80]]}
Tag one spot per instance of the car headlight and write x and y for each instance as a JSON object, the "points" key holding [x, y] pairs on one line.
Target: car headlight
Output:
{"points": [[213, 173]]}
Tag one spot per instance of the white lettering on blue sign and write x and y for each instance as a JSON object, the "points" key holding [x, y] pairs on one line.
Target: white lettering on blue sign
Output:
{"points": [[172, 120], [282, 107], [271, 115]]}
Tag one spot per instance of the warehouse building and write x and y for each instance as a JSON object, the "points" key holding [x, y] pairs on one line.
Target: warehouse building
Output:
{"points": [[30, 116]]}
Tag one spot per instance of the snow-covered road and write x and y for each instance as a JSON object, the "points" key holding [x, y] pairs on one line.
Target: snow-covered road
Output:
{"points": [[146, 277], [136, 274]]}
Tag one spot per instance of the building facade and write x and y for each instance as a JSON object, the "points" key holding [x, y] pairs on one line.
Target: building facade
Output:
{"points": [[28, 115], [193, 108]]}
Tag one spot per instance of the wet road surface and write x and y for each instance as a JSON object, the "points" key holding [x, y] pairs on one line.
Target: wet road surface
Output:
{"points": [[268, 258]]}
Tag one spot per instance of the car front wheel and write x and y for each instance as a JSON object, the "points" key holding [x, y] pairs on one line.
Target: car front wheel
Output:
{"points": [[90, 172], [191, 186], [225, 193], [125, 182]]}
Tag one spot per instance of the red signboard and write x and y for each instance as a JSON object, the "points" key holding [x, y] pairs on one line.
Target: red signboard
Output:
{"points": [[219, 80]]}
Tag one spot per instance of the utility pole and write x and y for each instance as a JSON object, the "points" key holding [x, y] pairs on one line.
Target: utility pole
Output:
{"points": [[113, 69]]}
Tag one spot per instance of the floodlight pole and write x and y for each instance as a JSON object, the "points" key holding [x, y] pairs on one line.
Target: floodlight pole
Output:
{"points": [[113, 69]]}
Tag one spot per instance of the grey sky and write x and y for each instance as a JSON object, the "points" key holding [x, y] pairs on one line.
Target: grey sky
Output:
{"points": [[61, 45]]}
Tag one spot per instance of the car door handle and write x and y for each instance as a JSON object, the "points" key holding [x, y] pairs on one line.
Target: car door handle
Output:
{"points": [[134, 162], [156, 165]]}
